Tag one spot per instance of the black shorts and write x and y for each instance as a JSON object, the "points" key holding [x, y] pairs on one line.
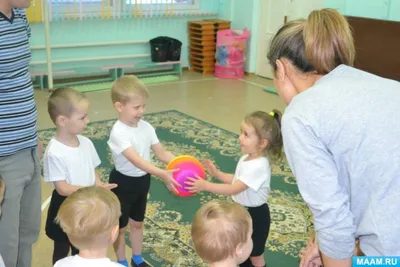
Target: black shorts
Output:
{"points": [[132, 193], [53, 230], [261, 224]]}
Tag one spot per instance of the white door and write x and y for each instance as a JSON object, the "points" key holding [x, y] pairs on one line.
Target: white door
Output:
{"points": [[300, 9], [273, 14]]}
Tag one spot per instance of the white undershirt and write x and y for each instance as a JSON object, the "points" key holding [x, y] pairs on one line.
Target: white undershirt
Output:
{"points": [[78, 261], [140, 138], [75, 165], [256, 174]]}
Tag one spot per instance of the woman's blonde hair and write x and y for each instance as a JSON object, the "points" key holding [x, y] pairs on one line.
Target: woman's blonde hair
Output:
{"points": [[320, 43]]}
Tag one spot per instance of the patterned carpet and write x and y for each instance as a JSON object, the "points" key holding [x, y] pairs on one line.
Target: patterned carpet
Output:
{"points": [[168, 218]]}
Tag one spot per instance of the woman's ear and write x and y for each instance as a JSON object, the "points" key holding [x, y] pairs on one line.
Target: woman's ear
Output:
{"points": [[280, 70]]}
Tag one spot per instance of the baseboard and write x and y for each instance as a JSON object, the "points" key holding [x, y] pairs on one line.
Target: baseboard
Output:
{"points": [[250, 74]]}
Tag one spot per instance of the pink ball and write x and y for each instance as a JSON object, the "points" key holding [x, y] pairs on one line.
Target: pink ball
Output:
{"points": [[188, 167]]}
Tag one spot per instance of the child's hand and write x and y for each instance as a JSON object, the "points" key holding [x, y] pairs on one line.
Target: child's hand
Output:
{"points": [[195, 185], [170, 181], [210, 167], [108, 186]]}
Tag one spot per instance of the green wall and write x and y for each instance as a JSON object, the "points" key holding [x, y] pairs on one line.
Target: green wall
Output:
{"points": [[97, 30], [242, 13]]}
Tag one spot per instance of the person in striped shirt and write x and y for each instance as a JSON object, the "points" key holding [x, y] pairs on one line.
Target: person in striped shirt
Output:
{"points": [[19, 153]]}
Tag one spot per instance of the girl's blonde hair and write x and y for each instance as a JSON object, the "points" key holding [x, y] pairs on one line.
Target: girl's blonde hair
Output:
{"points": [[320, 43], [268, 126]]}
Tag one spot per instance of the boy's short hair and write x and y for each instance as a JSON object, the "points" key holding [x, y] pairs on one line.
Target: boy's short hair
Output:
{"points": [[89, 214], [2, 191], [218, 228], [63, 101], [127, 86]]}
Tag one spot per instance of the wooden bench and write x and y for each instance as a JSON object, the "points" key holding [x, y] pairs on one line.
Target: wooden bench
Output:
{"points": [[40, 78]]}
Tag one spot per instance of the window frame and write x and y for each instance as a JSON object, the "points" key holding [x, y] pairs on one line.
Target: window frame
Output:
{"points": [[66, 8]]}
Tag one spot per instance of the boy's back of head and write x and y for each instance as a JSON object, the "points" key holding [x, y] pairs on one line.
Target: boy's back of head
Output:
{"points": [[63, 101], [126, 87], [89, 217], [219, 228]]}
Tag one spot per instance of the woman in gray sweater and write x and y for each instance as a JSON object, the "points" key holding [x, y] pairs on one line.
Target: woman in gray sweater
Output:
{"points": [[341, 134]]}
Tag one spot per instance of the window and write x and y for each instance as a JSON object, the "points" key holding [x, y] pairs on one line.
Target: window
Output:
{"points": [[82, 9], [165, 4]]}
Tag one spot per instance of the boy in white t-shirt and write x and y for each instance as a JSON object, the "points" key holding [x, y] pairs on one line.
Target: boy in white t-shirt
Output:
{"points": [[89, 217], [131, 141], [260, 137], [70, 160]]}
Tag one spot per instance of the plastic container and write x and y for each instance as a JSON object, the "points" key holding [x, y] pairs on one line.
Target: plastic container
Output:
{"points": [[230, 54]]}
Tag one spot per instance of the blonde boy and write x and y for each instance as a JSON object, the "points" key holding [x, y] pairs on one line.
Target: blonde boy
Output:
{"points": [[131, 141], [89, 217], [221, 233], [70, 160]]}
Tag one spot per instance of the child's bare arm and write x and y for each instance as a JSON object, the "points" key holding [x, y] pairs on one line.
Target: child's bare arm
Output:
{"points": [[65, 189], [100, 183], [224, 177], [162, 154], [197, 185], [131, 155]]}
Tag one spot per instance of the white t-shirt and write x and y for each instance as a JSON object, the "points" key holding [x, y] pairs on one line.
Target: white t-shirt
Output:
{"points": [[78, 261], [256, 174], [141, 138], [75, 165]]}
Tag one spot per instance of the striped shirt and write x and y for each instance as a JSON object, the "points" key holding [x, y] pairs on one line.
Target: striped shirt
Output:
{"points": [[17, 104]]}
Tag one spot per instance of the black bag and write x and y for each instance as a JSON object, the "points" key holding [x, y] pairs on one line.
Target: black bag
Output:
{"points": [[165, 48], [159, 49], [174, 51]]}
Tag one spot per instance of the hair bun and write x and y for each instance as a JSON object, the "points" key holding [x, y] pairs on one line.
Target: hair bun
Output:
{"points": [[277, 115]]}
